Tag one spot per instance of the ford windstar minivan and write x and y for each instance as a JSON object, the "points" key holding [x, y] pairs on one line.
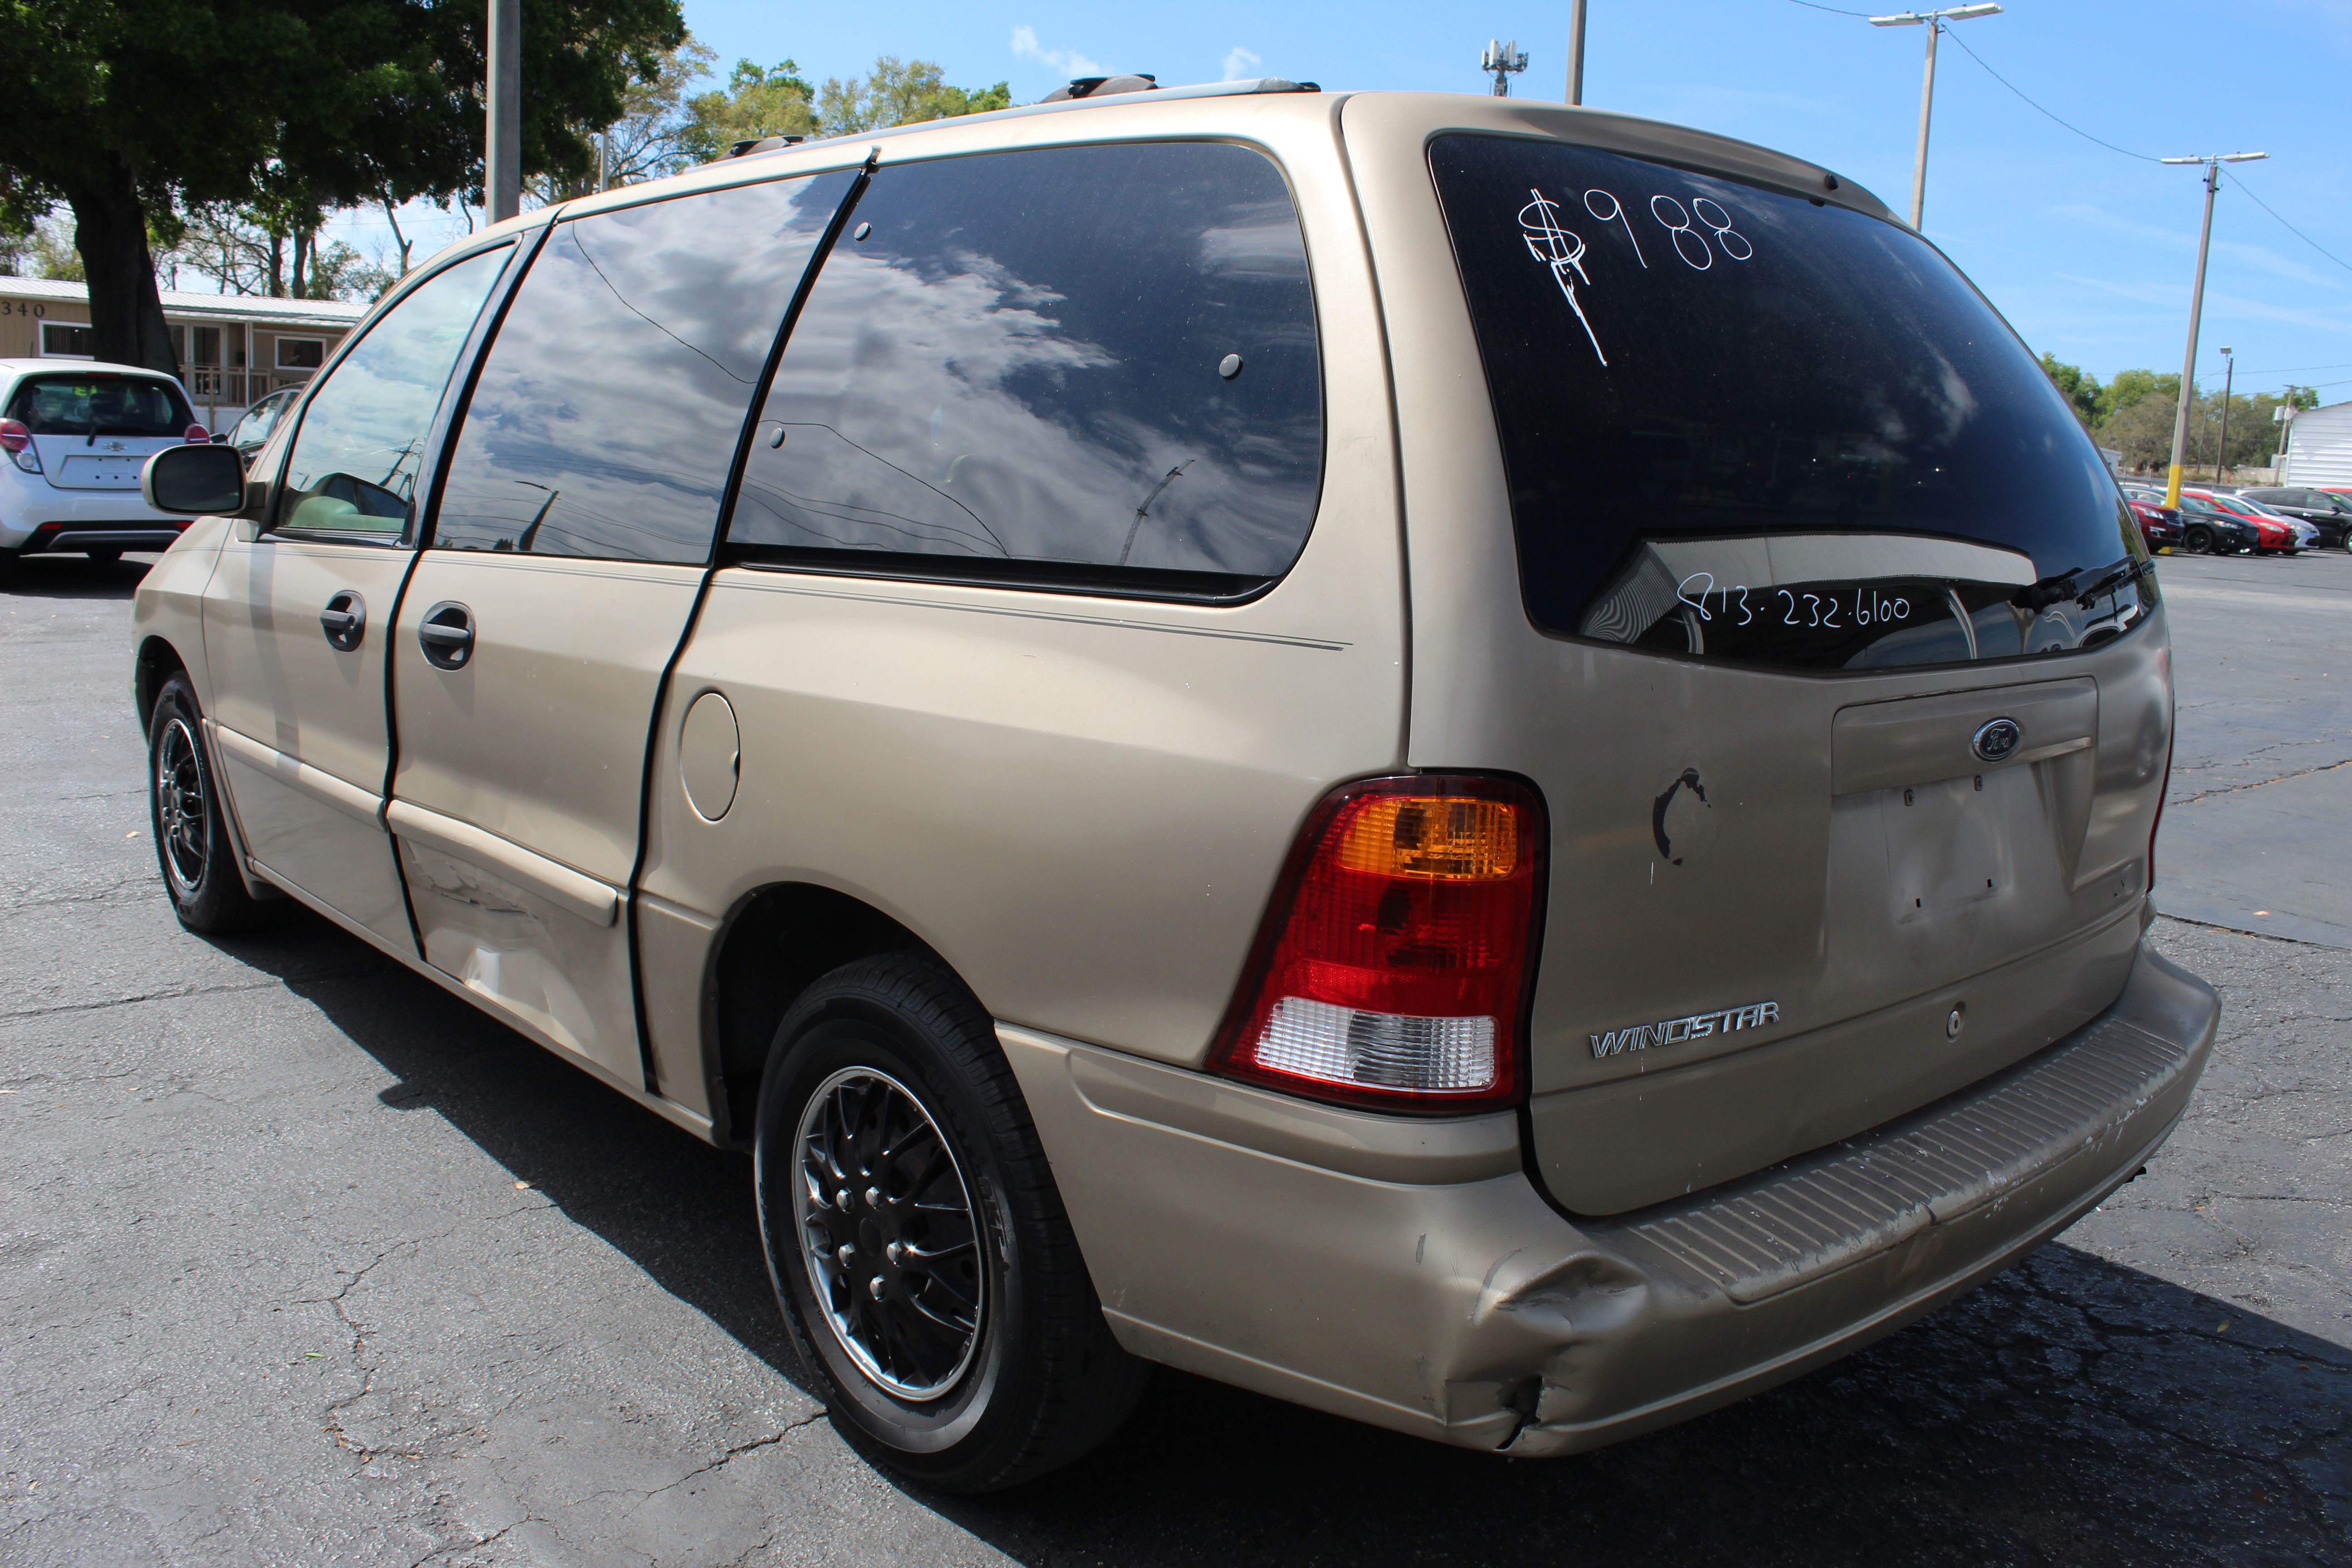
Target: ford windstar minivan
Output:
{"points": [[1489, 766]]}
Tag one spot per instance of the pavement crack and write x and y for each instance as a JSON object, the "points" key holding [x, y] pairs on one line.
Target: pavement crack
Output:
{"points": [[740, 1449], [2234, 789]]}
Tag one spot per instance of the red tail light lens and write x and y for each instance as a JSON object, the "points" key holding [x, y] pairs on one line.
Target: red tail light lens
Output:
{"points": [[1393, 965], [14, 437], [198, 436]]}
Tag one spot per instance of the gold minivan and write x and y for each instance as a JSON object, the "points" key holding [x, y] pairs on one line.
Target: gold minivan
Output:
{"points": [[1489, 766]]}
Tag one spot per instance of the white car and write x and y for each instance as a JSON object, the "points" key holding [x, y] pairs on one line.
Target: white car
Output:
{"points": [[75, 435]]}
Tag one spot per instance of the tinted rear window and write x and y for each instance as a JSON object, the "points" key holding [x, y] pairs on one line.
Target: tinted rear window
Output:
{"points": [[100, 405], [1083, 365], [1742, 425]]}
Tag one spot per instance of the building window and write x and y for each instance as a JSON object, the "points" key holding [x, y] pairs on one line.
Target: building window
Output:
{"points": [[64, 339], [301, 353], [203, 346]]}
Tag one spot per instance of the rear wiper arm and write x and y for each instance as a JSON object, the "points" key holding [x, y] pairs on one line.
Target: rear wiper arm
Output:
{"points": [[2052, 590]]}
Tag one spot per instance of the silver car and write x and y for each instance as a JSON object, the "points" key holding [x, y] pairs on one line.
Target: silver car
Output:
{"points": [[1489, 766]]}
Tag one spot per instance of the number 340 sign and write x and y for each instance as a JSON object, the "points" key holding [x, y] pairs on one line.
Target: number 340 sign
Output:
{"points": [[1689, 229]]}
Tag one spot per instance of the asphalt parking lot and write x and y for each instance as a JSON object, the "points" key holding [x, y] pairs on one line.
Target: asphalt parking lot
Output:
{"points": [[303, 1261]]}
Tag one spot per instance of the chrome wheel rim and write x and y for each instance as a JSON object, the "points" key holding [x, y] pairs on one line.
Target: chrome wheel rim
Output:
{"points": [[888, 1235], [183, 826]]}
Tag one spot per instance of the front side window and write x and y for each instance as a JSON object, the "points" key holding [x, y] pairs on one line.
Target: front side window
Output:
{"points": [[609, 406], [1743, 426], [99, 405], [1085, 365], [361, 441]]}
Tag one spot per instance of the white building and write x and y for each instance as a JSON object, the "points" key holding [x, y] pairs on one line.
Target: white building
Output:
{"points": [[2318, 447], [235, 348]]}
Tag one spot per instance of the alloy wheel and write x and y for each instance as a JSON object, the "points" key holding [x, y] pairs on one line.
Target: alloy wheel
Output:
{"points": [[890, 1235], [181, 819]]}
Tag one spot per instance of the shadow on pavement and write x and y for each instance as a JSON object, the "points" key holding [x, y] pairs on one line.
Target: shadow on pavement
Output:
{"points": [[2072, 1411], [74, 577]]}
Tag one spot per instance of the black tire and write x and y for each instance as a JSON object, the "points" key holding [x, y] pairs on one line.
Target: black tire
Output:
{"points": [[8, 568], [193, 847], [989, 1363], [106, 555], [2197, 541]]}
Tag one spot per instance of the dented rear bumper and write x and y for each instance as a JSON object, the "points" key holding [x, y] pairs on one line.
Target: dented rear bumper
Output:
{"points": [[1409, 1275]]}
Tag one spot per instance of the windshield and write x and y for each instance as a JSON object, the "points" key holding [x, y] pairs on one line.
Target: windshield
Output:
{"points": [[1744, 425], [95, 403]]}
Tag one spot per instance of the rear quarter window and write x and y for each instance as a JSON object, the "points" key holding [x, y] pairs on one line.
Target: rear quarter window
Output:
{"points": [[1740, 424], [1086, 366]]}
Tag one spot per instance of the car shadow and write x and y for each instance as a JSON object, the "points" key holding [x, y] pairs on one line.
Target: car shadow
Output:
{"points": [[75, 577], [2073, 1410]]}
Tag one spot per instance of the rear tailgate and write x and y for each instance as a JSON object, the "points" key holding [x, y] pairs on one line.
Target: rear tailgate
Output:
{"points": [[1743, 528]]}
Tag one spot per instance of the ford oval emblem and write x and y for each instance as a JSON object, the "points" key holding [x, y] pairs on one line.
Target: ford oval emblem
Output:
{"points": [[1998, 741]]}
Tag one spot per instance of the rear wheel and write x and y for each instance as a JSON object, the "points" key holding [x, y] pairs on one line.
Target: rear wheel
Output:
{"points": [[916, 1241], [2199, 541], [192, 841]]}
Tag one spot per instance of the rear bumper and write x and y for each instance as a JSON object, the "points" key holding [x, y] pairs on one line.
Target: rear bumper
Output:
{"points": [[1408, 1275]]}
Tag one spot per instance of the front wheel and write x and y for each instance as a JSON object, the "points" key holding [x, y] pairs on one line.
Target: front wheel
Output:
{"points": [[2199, 541], [916, 1241], [183, 803]]}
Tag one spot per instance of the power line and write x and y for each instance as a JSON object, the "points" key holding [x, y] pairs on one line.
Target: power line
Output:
{"points": [[2291, 230], [2013, 87], [1833, 10]]}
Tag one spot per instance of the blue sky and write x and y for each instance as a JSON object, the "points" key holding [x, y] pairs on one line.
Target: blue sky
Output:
{"points": [[2090, 253]]}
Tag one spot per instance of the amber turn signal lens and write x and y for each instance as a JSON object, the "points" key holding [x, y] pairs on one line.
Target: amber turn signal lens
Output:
{"points": [[1442, 838]]}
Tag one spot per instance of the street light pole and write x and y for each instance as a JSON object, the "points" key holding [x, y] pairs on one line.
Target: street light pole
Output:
{"points": [[502, 144], [1576, 51], [1935, 22], [2196, 311]]}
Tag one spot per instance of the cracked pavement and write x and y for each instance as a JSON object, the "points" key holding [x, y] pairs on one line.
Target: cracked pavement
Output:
{"points": [[303, 1260]]}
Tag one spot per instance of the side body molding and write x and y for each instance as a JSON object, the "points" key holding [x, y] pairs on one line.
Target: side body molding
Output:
{"points": [[596, 902]]}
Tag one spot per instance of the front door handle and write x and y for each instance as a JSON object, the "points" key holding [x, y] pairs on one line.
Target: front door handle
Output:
{"points": [[344, 620], [446, 635]]}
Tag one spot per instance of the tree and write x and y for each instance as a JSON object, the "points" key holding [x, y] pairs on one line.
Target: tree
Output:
{"points": [[649, 138], [126, 109], [2081, 390], [756, 102], [895, 94]]}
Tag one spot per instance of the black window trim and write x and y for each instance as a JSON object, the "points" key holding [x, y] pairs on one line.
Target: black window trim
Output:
{"points": [[288, 427], [1074, 578]]}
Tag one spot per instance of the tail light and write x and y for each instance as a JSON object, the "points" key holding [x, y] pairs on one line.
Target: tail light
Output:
{"points": [[1394, 965], [17, 442], [198, 436]]}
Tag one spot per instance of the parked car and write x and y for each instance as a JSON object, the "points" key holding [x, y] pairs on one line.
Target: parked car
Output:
{"points": [[1117, 747], [2330, 513], [254, 425], [2205, 528], [75, 434], [2275, 532], [2159, 525]]}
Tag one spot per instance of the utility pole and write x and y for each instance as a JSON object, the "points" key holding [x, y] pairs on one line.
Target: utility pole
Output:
{"points": [[1576, 51], [1502, 61], [2196, 311], [2221, 448], [1935, 22], [502, 146]]}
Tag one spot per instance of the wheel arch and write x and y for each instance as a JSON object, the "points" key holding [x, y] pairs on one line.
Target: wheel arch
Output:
{"points": [[157, 662], [778, 941]]}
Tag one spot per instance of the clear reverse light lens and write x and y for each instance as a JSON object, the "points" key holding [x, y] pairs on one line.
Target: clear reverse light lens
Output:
{"points": [[1377, 1050]]}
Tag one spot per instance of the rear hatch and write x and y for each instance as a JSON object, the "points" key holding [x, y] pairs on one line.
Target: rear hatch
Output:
{"points": [[1850, 706], [94, 430]]}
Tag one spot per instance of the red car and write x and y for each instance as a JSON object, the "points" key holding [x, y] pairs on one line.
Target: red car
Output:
{"points": [[2159, 524], [2275, 535]]}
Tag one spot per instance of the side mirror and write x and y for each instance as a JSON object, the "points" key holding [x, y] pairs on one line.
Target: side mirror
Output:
{"points": [[190, 481]]}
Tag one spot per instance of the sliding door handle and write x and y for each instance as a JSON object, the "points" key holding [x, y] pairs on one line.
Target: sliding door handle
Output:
{"points": [[344, 620], [446, 635]]}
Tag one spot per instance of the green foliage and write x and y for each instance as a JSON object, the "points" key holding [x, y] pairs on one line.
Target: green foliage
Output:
{"points": [[756, 102], [2145, 404], [896, 94], [2081, 390], [779, 101], [2303, 396], [649, 139]]}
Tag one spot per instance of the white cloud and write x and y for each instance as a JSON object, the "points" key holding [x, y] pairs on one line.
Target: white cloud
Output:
{"points": [[1240, 63], [1069, 62]]}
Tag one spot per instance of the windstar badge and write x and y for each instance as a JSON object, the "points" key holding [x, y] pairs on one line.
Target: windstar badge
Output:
{"points": [[1675, 1031]]}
